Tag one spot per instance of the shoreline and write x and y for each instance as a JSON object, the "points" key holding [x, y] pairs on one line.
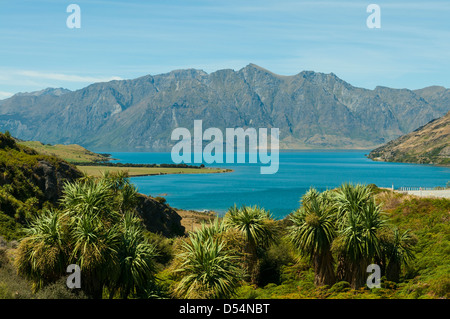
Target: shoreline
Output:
{"points": [[381, 160], [97, 170]]}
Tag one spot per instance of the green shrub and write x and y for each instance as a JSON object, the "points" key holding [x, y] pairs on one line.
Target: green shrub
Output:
{"points": [[10, 229], [440, 287], [164, 247], [59, 290], [12, 286], [246, 291], [341, 286], [5, 293], [160, 199], [272, 263]]}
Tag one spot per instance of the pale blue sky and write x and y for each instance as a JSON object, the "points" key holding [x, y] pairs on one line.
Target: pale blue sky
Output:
{"points": [[128, 39]]}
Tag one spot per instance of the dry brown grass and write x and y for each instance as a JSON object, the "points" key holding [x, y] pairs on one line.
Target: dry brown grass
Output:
{"points": [[192, 220], [390, 200]]}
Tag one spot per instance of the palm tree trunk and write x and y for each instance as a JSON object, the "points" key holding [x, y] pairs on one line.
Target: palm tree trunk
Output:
{"points": [[252, 263], [343, 272], [381, 261], [393, 271], [359, 273], [92, 286], [324, 269]]}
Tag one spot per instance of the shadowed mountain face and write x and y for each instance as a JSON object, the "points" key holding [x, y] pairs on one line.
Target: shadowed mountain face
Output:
{"points": [[312, 110]]}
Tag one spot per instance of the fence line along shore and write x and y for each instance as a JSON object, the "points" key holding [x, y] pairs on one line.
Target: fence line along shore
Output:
{"points": [[442, 192]]}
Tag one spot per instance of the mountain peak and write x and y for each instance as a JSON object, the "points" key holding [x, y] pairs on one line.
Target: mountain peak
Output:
{"points": [[47, 91], [258, 68], [252, 65], [187, 72]]}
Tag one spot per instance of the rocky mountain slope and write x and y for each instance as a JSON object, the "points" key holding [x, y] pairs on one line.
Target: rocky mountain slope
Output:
{"points": [[312, 110], [428, 144]]}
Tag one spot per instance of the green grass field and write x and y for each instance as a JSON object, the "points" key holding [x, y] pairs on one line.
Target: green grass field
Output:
{"points": [[145, 171], [71, 153], [77, 154]]}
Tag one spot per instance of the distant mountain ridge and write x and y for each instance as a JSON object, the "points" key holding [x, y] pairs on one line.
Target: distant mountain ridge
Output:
{"points": [[47, 91], [312, 110], [429, 144]]}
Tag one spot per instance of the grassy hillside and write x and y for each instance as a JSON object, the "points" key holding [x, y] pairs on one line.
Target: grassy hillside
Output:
{"points": [[29, 181], [77, 154], [430, 144], [72, 153], [429, 219]]}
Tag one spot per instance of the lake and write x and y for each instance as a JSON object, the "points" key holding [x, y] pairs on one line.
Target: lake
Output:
{"points": [[280, 193]]}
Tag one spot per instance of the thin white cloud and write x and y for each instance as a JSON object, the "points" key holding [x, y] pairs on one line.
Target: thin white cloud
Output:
{"points": [[65, 77], [5, 95], [19, 80]]}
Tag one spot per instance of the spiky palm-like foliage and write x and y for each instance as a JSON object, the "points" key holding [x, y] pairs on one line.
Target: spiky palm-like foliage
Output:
{"points": [[42, 254], [96, 231], [258, 229], [358, 243], [398, 250], [93, 232], [127, 198], [209, 270], [313, 231], [350, 198], [95, 249], [211, 229], [93, 197], [117, 180], [136, 258]]}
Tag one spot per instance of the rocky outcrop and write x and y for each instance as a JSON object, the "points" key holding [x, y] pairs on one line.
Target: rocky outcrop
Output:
{"points": [[50, 178], [159, 218]]}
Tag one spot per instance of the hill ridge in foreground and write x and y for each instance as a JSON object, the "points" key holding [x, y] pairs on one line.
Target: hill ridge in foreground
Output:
{"points": [[31, 182], [429, 144]]}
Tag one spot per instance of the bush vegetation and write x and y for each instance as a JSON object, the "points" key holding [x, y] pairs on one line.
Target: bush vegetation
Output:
{"points": [[321, 250]]}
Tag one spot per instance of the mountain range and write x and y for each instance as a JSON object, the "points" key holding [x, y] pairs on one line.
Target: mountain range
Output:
{"points": [[312, 110]]}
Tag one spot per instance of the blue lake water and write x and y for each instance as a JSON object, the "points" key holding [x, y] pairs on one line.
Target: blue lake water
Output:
{"points": [[280, 193]]}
